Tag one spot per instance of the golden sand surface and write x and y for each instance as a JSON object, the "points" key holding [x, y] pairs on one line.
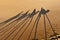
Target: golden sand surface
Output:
{"points": [[10, 8]]}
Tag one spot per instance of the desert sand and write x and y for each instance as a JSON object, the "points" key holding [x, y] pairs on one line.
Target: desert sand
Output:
{"points": [[10, 8]]}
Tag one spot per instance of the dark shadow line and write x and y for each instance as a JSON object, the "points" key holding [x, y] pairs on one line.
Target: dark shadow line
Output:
{"points": [[32, 14], [50, 24], [45, 28], [9, 28], [23, 16], [20, 29], [35, 30], [15, 29], [23, 20], [36, 27], [5, 27], [10, 19], [32, 29], [39, 15], [51, 27], [8, 24], [25, 28]]}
